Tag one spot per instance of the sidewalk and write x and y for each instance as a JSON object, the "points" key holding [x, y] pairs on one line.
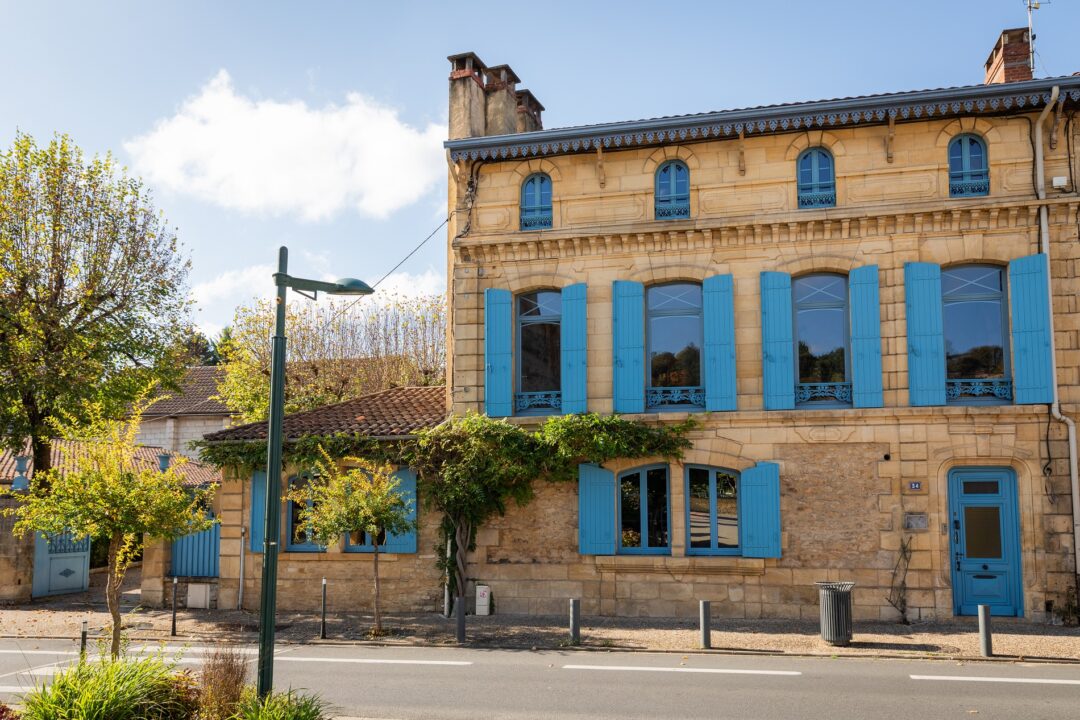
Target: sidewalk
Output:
{"points": [[62, 617]]}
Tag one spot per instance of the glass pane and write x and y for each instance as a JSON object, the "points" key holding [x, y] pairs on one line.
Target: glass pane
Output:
{"points": [[956, 151], [727, 511], [657, 507], [980, 487], [675, 351], [684, 297], [698, 494], [972, 281], [982, 532], [546, 303], [630, 492], [820, 289], [974, 339], [540, 361], [299, 537], [822, 335], [976, 160], [682, 180]]}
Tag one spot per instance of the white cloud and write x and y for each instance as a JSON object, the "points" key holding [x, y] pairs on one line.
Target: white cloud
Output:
{"points": [[255, 281], [428, 282], [281, 157]]}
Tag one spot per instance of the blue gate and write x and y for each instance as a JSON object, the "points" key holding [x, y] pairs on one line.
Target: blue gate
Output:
{"points": [[61, 564], [197, 555]]}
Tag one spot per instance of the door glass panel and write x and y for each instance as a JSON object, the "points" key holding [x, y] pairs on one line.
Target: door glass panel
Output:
{"points": [[631, 511], [980, 487], [982, 532], [656, 487], [727, 511], [699, 508]]}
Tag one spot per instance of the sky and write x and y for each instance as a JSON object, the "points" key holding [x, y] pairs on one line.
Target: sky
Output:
{"points": [[319, 125]]}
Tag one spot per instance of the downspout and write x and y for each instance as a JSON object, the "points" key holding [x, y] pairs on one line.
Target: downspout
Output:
{"points": [[240, 594], [1055, 406]]}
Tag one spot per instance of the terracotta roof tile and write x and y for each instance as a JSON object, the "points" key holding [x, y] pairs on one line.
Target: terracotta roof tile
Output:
{"points": [[195, 396], [194, 473], [389, 413]]}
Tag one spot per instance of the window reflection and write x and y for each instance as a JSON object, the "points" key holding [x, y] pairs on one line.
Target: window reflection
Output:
{"points": [[675, 335], [821, 328], [539, 341], [643, 511], [973, 300]]}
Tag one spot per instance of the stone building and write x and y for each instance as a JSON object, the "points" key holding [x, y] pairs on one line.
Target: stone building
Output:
{"points": [[869, 304], [184, 416]]}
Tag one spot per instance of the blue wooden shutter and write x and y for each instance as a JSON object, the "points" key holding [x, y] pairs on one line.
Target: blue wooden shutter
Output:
{"points": [[719, 301], [574, 342], [405, 543], [865, 337], [925, 334], [777, 350], [759, 509], [258, 510], [1033, 362], [596, 510], [628, 329], [498, 353]]}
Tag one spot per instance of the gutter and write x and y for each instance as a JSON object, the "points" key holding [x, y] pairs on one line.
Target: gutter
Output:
{"points": [[1055, 406]]}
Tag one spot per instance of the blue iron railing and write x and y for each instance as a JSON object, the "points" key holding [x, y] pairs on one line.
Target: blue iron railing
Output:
{"points": [[810, 392], [534, 401], [66, 543], [536, 218], [667, 396], [808, 199], [969, 188], [674, 208], [981, 387], [198, 554]]}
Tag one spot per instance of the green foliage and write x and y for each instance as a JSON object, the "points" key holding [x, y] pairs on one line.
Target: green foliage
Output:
{"points": [[93, 290], [282, 706], [129, 689], [302, 452]]}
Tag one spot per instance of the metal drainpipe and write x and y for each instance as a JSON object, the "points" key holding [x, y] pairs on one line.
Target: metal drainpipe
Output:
{"points": [[1055, 406], [240, 594]]}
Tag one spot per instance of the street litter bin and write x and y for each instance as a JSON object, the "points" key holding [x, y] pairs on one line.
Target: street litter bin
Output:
{"points": [[835, 601]]}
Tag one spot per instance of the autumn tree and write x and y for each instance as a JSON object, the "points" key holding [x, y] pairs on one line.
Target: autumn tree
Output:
{"points": [[93, 291], [334, 353], [362, 501], [103, 490]]}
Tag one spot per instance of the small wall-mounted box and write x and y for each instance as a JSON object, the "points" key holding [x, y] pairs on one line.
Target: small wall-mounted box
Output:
{"points": [[1059, 182]]}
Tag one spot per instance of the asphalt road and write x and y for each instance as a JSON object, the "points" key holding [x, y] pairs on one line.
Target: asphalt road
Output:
{"points": [[473, 684]]}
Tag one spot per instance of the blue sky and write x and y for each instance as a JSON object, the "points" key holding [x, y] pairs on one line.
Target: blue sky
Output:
{"points": [[319, 125]]}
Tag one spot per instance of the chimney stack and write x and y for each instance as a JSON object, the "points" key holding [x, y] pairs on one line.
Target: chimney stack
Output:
{"points": [[485, 100], [1010, 59]]}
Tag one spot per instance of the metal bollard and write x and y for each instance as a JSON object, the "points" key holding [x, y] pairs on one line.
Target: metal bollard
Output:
{"points": [[82, 642], [322, 624], [575, 621], [985, 640], [459, 616], [173, 631], [705, 621]]}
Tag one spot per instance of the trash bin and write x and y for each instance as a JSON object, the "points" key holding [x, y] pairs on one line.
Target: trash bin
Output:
{"points": [[835, 601]]}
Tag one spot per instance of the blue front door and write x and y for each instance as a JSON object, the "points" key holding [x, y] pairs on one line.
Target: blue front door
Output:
{"points": [[984, 533]]}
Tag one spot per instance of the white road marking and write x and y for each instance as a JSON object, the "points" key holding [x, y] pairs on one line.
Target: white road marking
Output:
{"points": [[719, 671], [38, 652], [369, 661], [9, 689], [970, 678], [40, 670]]}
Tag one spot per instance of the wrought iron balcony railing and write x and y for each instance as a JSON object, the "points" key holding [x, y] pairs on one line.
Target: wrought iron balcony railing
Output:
{"points": [[673, 209], [672, 396], [537, 401], [1000, 389], [812, 392], [536, 219], [817, 199], [969, 188]]}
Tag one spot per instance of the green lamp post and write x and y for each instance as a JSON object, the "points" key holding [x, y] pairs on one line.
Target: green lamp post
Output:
{"points": [[272, 520]]}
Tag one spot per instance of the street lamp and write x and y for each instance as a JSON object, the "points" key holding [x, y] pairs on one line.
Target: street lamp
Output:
{"points": [[272, 521]]}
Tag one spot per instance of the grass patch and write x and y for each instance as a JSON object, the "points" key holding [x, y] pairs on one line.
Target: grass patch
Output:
{"points": [[281, 706]]}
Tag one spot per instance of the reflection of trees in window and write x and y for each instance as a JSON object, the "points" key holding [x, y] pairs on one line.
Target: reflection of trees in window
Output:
{"points": [[674, 335], [677, 369], [973, 303], [821, 368], [643, 510], [539, 320], [820, 304]]}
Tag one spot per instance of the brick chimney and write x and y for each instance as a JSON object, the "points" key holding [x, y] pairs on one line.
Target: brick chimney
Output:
{"points": [[485, 100], [1009, 61]]}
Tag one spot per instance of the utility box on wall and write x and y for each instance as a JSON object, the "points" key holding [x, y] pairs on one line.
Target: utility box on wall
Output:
{"points": [[483, 600]]}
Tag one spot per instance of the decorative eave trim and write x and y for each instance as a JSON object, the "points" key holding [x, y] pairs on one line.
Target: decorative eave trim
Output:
{"points": [[871, 109]]}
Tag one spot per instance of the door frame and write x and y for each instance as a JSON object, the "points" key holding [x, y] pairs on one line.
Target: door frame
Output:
{"points": [[1010, 496]]}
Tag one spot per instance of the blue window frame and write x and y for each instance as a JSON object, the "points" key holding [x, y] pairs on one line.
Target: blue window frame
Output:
{"points": [[539, 356], [822, 368], [976, 328], [674, 332], [672, 191], [360, 542], [645, 511], [712, 511], [536, 202], [816, 179], [969, 169], [298, 540]]}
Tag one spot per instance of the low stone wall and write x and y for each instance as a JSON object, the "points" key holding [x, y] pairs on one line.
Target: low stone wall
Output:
{"points": [[16, 559]]}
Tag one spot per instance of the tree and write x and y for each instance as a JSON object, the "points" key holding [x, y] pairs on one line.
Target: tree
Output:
{"points": [[363, 500], [334, 354], [93, 292], [103, 491]]}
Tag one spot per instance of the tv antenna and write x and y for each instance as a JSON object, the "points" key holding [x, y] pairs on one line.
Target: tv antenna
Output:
{"points": [[1032, 5]]}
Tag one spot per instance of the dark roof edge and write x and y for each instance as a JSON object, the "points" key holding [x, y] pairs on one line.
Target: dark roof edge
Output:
{"points": [[769, 118], [298, 437]]}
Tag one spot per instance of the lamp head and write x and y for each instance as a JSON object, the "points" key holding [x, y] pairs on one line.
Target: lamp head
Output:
{"points": [[351, 286]]}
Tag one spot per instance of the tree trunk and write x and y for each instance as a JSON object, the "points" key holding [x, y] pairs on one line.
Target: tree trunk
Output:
{"points": [[378, 611], [112, 591], [41, 449]]}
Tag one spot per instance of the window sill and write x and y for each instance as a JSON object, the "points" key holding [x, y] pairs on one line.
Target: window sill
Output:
{"points": [[718, 552], [665, 565], [304, 549], [644, 551]]}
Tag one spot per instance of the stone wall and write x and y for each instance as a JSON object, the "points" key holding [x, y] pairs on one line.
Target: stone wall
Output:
{"points": [[16, 559], [176, 434]]}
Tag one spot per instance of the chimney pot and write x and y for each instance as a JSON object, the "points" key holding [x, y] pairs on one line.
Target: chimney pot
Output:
{"points": [[163, 461]]}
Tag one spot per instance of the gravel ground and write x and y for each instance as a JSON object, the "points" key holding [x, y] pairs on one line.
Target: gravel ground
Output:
{"points": [[63, 617]]}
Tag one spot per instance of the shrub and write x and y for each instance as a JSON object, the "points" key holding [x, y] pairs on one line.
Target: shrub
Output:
{"points": [[6, 713], [141, 689], [281, 706], [221, 683]]}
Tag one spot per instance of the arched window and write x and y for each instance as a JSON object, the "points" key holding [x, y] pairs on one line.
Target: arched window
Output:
{"points": [[817, 182], [672, 190], [712, 511], [976, 334], [536, 202], [643, 511], [820, 304], [539, 334], [674, 335], [969, 169]]}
